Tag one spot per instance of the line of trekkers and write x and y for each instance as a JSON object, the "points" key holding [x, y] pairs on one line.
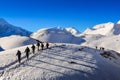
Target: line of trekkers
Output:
{"points": [[27, 50]]}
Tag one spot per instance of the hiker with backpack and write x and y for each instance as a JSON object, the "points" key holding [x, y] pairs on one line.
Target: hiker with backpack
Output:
{"points": [[33, 48], [42, 46], [47, 45], [27, 50], [38, 45], [19, 56]]}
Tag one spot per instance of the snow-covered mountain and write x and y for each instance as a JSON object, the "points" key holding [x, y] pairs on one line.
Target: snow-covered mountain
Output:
{"points": [[7, 29], [105, 29], [15, 41], [57, 35]]}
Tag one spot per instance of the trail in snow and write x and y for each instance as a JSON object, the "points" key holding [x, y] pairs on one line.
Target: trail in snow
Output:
{"points": [[54, 64]]}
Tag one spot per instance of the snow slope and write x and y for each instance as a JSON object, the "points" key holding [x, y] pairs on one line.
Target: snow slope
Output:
{"points": [[108, 42], [56, 35], [7, 29], [104, 29], [54, 64], [15, 41]]}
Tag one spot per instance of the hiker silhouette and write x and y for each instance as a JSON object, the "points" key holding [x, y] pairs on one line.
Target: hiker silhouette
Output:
{"points": [[47, 45], [27, 50], [33, 48], [19, 56], [38, 45], [42, 46]]}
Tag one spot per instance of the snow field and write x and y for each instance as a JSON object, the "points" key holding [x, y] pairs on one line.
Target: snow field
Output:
{"points": [[55, 64]]}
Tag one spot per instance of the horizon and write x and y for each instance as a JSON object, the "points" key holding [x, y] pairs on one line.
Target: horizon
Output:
{"points": [[38, 14]]}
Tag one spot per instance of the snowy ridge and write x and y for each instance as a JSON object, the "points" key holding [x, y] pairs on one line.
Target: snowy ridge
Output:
{"points": [[105, 29], [7, 29], [87, 31]]}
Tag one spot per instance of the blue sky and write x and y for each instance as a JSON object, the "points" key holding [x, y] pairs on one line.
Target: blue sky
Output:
{"points": [[36, 14]]}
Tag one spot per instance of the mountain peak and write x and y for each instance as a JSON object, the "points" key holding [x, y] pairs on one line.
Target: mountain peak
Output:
{"points": [[72, 30], [3, 21]]}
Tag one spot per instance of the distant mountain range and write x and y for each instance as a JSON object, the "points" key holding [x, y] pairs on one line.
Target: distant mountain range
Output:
{"points": [[57, 35], [106, 29], [61, 35], [7, 29]]}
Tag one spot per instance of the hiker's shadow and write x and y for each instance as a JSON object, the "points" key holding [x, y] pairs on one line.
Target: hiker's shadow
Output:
{"points": [[68, 61], [66, 55], [60, 66]]}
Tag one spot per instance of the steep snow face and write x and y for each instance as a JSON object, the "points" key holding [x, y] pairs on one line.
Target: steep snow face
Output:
{"points": [[105, 29], [7, 29], [57, 35], [15, 41]]}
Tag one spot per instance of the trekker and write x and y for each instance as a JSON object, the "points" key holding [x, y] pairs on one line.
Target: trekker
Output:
{"points": [[19, 56], [42, 46], [47, 45], [96, 47], [27, 50], [38, 45], [33, 48]]}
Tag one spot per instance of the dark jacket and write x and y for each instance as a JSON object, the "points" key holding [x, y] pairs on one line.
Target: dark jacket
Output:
{"points": [[18, 53]]}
